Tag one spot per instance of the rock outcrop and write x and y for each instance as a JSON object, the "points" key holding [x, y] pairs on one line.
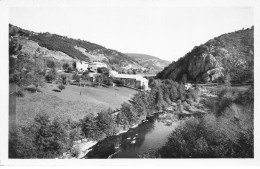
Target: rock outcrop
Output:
{"points": [[231, 53]]}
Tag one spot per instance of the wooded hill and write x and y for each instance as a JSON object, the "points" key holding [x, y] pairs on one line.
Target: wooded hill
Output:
{"points": [[68, 48]]}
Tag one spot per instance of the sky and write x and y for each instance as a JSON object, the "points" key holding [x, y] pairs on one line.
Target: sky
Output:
{"points": [[167, 32]]}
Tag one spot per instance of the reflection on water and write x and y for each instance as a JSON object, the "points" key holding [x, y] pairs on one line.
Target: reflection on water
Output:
{"points": [[149, 135]]}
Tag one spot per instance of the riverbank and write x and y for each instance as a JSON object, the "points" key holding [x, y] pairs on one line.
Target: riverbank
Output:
{"points": [[81, 148], [150, 134], [171, 114]]}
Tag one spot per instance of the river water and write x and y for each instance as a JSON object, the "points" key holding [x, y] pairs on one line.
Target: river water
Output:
{"points": [[149, 135]]}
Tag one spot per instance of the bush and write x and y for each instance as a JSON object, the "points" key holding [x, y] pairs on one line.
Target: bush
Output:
{"points": [[50, 64], [51, 76], [19, 93], [225, 98], [61, 86], [63, 79], [76, 77], [194, 94], [65, 66], [246, 98], [32, 89]]}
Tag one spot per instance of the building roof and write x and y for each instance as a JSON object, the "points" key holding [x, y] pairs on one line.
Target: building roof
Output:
{"points": [[94, 63], [127, 76]]}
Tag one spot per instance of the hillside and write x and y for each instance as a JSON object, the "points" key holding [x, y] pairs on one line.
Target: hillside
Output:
{"points": [[151, 62], [229, 54], [60, 48]]}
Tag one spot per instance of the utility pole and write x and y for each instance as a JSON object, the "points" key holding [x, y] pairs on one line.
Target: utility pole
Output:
{"points": [[80, 85]]}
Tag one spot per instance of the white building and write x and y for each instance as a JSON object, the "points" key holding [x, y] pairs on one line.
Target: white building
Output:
{"points": [[139, 81], [82, 66], [95, 65]]}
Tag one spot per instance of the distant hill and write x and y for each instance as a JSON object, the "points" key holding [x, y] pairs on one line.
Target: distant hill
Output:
{"points": [[62, 48], [153, 63], [229, 54]]}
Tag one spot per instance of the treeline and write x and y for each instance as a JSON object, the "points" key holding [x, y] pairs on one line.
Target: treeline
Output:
{"points": [[49, 138], [226, 132]]}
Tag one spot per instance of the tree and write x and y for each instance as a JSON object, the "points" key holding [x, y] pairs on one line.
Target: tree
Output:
{"points": [[38, 80], [76, 77], [139, 102], [103, 70], [74, 65], [50, 64], [63, 79], [65, 66], [105, 122], [126, 109], [89, 127], [61, 86], [159, 99], [50, 138], [52, 75], [227, 80]]}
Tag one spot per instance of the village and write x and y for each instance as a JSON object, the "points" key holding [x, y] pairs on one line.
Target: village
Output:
{"points": [[99, 74]]}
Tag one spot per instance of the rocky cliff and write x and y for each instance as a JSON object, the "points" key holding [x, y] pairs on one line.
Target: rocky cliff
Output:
{"points": [[231, 53]]}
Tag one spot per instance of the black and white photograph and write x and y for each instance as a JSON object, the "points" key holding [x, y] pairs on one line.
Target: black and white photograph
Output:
{"points": [[142, 79]]}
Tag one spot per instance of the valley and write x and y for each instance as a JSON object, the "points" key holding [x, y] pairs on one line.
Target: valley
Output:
{"points": [[70, 98]]}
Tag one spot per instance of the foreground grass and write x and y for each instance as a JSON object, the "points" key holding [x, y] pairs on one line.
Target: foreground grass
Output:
{"points": [[69, 104]]}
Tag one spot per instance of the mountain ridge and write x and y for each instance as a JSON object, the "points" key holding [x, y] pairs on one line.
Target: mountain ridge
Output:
{"points": [[153, 63], [69, 47]]}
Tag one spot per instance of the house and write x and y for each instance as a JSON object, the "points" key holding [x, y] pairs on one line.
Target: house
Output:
{"points": [[82, 66], [92, 77], [95, 65], [135, 81]]}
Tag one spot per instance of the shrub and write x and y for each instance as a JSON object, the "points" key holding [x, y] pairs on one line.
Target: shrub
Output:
{"points": [[225, 98], [51, 76], [32, 89], [65, 66], [76, 77], [194, 94], [246, 98], [19, 93], [50, 64], [61, 86], [63, 79]]}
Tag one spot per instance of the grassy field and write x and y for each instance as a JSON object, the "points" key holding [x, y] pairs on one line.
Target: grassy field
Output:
{"points": [[69, 103]]}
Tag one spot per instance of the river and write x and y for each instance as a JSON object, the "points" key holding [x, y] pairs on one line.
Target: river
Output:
{"points": [[149, 135]]}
